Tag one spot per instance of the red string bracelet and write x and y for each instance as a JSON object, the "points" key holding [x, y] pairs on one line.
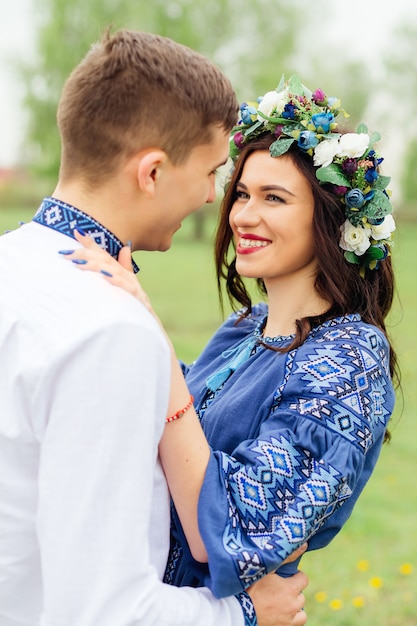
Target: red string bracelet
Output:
{"points": [[181, 412]]}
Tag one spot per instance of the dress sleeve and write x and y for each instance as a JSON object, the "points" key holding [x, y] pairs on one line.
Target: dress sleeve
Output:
{"points": [[313, 454]]}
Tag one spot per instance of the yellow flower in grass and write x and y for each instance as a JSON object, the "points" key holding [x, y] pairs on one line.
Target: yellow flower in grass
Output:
{"points": [[363, 565], [336, 604], [376, 582], [406, 569], [320, 596], [358, 602]]}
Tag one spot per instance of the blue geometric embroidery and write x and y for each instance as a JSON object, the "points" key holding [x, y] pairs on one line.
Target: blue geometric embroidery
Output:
{"points": [[350, 375], [251, 492], [247, 608], [324, 368], [279, 514], [64, 218], [279, 460]]}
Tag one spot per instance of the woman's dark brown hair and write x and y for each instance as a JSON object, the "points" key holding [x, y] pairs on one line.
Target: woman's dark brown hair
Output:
{"points": [[337, 280]]}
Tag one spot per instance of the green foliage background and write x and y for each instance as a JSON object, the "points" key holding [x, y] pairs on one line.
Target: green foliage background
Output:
{"points": [[380, 535]]}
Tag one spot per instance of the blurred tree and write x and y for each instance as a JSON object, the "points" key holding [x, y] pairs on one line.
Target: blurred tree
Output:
{"points": [[241, 38], [401, 77]]}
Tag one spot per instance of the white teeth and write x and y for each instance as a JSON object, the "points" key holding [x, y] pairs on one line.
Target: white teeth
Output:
{"points": [[252, 243]]}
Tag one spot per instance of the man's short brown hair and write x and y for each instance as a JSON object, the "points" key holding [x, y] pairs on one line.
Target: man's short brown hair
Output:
{"points": [[137, 90]]}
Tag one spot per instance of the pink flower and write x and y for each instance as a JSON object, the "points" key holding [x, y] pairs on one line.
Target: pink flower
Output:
{"points": [[319, 97], [238, 139]]}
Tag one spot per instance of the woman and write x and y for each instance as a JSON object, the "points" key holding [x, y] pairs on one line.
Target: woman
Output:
{"points": [[293, 397]]}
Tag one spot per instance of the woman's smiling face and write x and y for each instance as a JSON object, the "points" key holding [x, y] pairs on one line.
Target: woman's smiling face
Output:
{"points": [[272, 219]]}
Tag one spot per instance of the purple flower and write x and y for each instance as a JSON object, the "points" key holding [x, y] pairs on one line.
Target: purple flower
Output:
{"points": [[355, 199], [278, 130], [339, 190], [322, 121], [307, 140], [319, 97], [238, 139], [349, 166]]}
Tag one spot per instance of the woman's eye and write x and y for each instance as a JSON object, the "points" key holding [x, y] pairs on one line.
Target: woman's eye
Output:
{"points": [[242, 195], [272, 198]]}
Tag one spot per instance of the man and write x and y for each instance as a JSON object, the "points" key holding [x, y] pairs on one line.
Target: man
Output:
{"points": [[85, 369]]}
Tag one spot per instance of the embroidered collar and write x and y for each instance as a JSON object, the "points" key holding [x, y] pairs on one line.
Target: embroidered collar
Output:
{"points": [[340, 319], [65, 218]]}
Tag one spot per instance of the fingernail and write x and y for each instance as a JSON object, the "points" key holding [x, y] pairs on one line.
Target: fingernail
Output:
{"points": [[129, 244], [65, 251], [79, 261], [106, 273], [81, 231]]}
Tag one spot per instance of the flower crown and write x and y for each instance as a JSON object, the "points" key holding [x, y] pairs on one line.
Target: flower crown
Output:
{"points": [[348, 161]]}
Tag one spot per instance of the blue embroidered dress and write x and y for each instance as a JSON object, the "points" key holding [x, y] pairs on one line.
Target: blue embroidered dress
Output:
{"points": [[294, 438]]}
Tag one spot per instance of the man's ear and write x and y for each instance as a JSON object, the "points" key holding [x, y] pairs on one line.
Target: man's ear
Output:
{"points": [[149, 168]]}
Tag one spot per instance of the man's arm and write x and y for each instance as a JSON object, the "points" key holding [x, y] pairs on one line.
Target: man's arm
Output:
{"points": [[105, 403]]}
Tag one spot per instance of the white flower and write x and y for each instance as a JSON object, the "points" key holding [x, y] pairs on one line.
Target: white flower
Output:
{"points": [[272, 101], [325, 152], [353, 145], [383, 230], [354, 238]]}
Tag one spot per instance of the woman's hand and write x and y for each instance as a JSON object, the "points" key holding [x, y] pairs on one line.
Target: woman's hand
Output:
{"points": [[93, 258]]}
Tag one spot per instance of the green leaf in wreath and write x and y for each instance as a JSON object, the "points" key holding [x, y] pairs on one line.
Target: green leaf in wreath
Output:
{"points": [[295, 86], [379, 206], [362, 128], [375, 253], [280, 147], [233, 150], [351, 257], [281, 84], [381, 182], [332, 174], [375, 137], [252, 128]]}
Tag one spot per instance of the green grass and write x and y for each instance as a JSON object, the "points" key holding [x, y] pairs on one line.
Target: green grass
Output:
{"points": [[380, 538]]}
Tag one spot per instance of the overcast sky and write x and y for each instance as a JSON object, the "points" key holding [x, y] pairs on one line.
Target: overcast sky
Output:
{"points": [[360, 27]]}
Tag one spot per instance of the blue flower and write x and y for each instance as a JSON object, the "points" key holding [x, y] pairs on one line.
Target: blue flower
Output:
{"points": [[289, 111], [307, 140], [371, 175], [355, 199], [322, 121], [246, 113]]}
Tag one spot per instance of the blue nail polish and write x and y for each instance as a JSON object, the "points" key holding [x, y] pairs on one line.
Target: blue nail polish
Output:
{"points": [[81, 231], [65, 251], [79, 261], [105, 273], [129, 244]]}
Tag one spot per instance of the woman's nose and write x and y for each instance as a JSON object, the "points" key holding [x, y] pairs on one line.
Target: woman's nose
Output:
{"points": [[246, 214]]}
